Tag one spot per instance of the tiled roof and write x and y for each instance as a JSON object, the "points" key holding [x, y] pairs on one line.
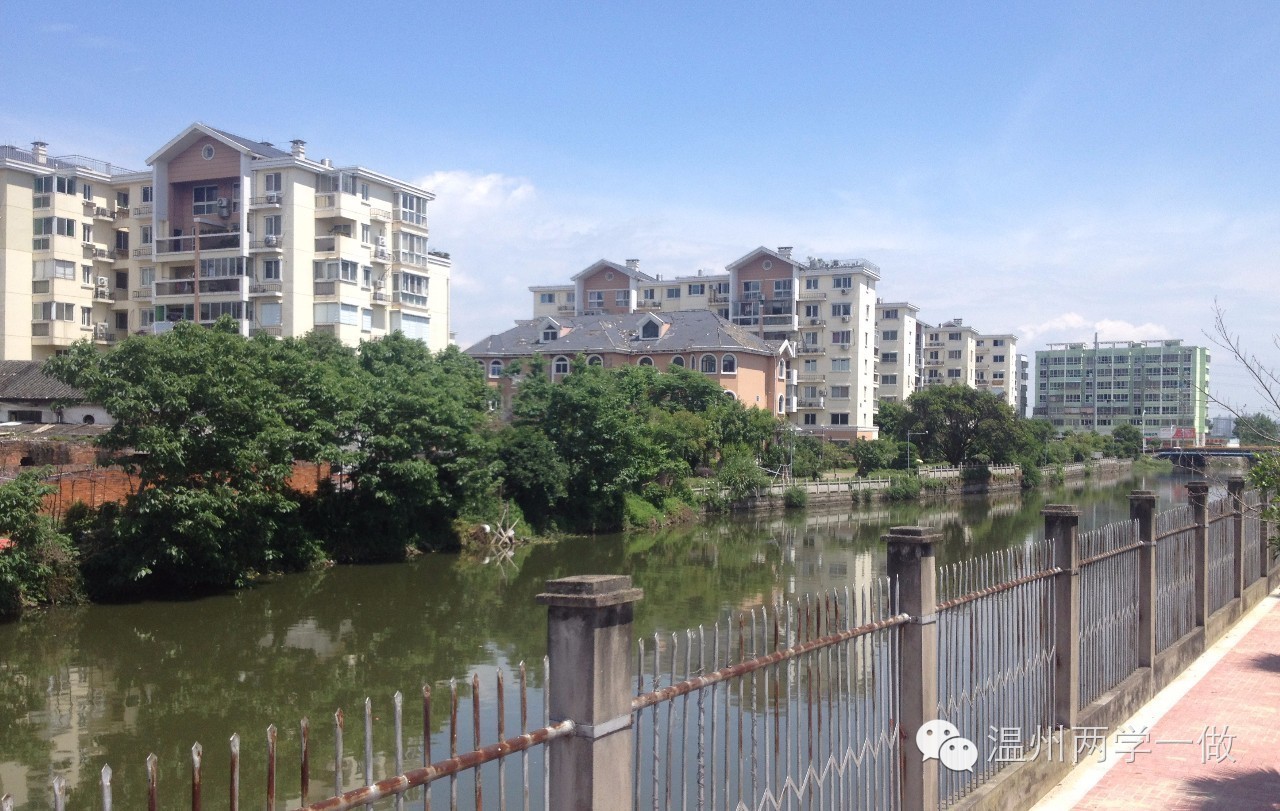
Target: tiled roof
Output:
{"points": [[689, 330], [262, 148], [24, 380]]}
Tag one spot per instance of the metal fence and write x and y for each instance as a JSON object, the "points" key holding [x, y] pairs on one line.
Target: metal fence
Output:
{"points": [[1222, 554], [1175, 531], [1251, 534], [996, 618], [1109, 599], [786, 706]]}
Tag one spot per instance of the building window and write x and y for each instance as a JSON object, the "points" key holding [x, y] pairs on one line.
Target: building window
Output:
{"points": [[673, 292], [709, 364], [146, 194], [954, 336], [781, 288], [840, 419], [649, 330], [889, 335], [366, 320], [890, 315], [495, 368], [622, 298], [842, 283], [729, 365], [86, 316], [646, 361], [954, 373], [269, 314], [271, 270], [560, 366], [811, 283], [546, 298], [810, 418], [840, 392], [889, 380], [889, 357], [53, 311], [678, 361], [272, 182], [842, 336], [66, 185], [122, 319], [838, 310], [697, 289], [997, 358], [839, 364], [204, 200], [595, 360], [953, 354]]}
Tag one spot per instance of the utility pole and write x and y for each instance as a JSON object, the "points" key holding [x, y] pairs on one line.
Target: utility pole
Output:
{"points": [[909, 435]]}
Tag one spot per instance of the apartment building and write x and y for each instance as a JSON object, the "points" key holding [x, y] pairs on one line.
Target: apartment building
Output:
{"points": [[950, 355], [824, 308], [219, 225], [1159, 386], [899, 362]]}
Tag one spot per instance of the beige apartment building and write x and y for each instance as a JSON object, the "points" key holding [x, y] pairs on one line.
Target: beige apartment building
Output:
{"points": [[825, 309], [284, 244], [900, 358]]}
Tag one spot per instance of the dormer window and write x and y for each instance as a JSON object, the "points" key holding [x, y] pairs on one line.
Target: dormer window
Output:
{"points": [[550, 334], [649, 330]]}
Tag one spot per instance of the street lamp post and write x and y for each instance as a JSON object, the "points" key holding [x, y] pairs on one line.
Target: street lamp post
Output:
{"points": [[909, 435]]}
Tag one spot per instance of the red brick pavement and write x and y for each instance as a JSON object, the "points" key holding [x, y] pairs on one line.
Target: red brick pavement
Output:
{"points": [[1218, 747]]}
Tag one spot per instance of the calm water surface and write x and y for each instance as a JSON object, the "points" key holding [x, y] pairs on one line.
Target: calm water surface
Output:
{"points": [[110, 683]]}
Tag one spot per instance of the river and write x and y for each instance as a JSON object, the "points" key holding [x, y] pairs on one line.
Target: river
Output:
{"points": [[80, 687]]}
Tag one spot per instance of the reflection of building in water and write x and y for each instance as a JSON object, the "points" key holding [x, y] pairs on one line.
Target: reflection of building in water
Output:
{"points": [[75, 715]]}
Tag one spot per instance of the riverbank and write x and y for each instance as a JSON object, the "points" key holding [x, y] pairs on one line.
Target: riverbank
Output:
{"points": [[934, 483]]}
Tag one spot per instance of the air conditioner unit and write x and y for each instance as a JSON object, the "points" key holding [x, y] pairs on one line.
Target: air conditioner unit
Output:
{"points": [[382, 253], [223, 202], [271, 240], [845, 318], [102, 282], [379, 284], [813, 322], [382, 241], [273, 197], [845, 347]]}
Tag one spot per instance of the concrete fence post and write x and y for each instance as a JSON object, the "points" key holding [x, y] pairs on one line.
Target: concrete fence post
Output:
{"points": [[1142, 508], [1264, 536], [1239, 577], [1062, 526], [592, 682], [912, 568], [1198, 498]]}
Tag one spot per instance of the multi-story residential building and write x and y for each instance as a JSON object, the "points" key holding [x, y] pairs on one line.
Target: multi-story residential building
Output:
{"points": [[950, 355], [749, 368], [899, 363], [996, 368], [1161, 387], [1024, 381], [283, 244], [824, 309]]}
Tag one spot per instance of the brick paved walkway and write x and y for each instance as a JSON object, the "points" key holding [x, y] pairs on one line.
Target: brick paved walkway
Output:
{"points": [[1218, 747]]}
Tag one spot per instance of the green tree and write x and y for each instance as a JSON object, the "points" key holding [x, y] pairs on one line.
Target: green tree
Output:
{"points": [[962, 424], [215, 422], [37, 563], [1257, 429], [533, 474], [892, 419], [1126, 441]]}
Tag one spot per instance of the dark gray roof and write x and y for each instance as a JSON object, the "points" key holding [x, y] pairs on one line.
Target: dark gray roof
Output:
{"points": [[24, 380], [261, 148], [690, 330]]}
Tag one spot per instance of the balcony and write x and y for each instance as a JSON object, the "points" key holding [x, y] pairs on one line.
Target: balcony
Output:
{"points": [[272, 199], [381, 297], [98, 212], [781, 320], [812, 295], [271, 243], [648, 305], [815, 322], [233, 285], [339, 204], [208, 242], [717, 298], [811, 377], [145, 252], [753, 295], [810, 403], [380, 255], [267, 288], [98, 253], [811, 349], [103, 294], [567, 309], [141, 211], [142, 293], [411, 258], [411, 299], [411, 218], [380, 215]]}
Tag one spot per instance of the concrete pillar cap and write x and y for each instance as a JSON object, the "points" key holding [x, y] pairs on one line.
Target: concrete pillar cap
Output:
{"points": [[1062, 510], [590, 591]]}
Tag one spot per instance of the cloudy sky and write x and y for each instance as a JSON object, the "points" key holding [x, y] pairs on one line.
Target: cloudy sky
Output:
{"points": [[1053, 170]]}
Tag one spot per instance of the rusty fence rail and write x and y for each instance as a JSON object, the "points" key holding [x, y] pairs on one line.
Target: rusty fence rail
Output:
{"points": [[789, 705], [996, 615]]}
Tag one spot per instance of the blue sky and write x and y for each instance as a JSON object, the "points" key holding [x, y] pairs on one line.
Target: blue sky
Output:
{"points": [[1052, 170]]}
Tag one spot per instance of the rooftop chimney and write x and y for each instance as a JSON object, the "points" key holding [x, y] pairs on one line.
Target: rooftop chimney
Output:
{"points": [[785, 250], [299, 148], [325, 162], [634, 264], [41, 150]]}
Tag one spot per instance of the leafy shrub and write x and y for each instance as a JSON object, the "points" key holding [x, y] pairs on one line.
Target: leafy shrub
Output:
{"points": [[37, 562], [795, 497]]}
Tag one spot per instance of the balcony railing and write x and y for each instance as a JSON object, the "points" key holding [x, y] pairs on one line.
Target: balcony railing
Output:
{"points": [[143, 292], [143, 210], [411, 258], [811, 349], [102, 294], [414, 218], [186, 287], [811, 295], [272, 288], [208, 242], [412, 299], [271, 198], [645, 305], [380, 214]]}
